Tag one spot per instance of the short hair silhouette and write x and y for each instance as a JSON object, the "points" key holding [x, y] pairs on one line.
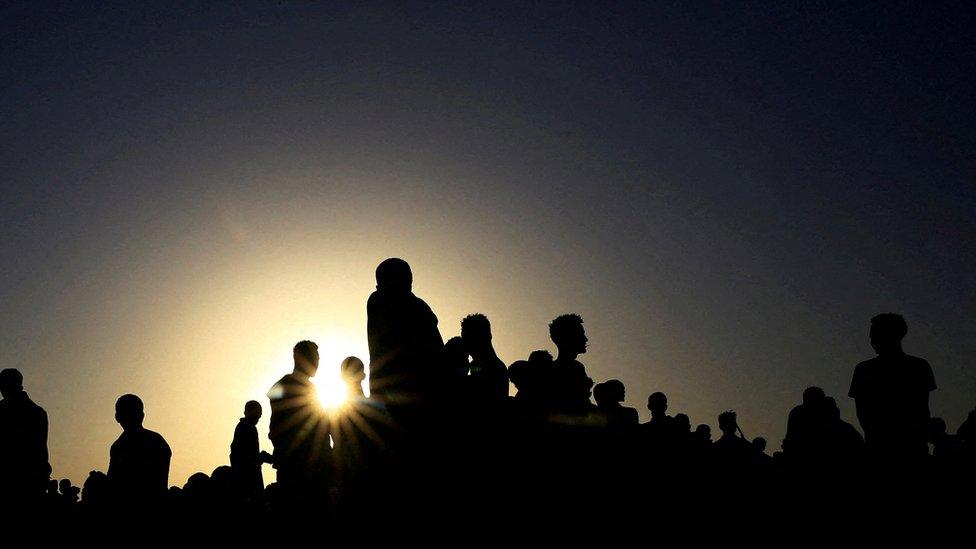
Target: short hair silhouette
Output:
{"points": [[541, 357], [727, 422], [394, 273], [352, 369], [759, 443], [813, 395], [306, 355], [11, 380], [657, 403], [475, 326], [566, 329], [609, 392], [129, 411], [252, 407], [888, 329]]}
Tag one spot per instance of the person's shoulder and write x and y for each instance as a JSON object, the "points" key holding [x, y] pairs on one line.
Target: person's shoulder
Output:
{"points": [[155, 438], [917, 361]]}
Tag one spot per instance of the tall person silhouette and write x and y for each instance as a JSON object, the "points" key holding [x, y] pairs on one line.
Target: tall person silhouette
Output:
{"points": [[891, 394], [299, 431], [570, 384], [405, 345], [24, 467], [138, 468]]}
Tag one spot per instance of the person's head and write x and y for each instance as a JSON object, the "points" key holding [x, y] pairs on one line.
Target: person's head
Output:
{"points": [[936, 429], [64, 486], [657, 403], [540, 359], [813, 396], [704, 432], [759, 443], [830, 409], [609, 393], [887, 331], [476, 333], [129, 412], [682, 423], [353, 370], [394, 275], [253, 411], [518, 374], [306, 355], [11, 382], [567, 333], [727, 423], [456, 356]]}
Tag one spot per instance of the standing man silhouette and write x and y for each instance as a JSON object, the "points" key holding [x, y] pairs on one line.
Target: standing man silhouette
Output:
{"points": [[891, 394], [570, 384], [405, 345], [24, 467], [138, 468], [246, 456], [299, 432]]}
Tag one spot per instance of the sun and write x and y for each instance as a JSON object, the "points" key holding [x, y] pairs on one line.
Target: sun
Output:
{"points": [[330, 391]]}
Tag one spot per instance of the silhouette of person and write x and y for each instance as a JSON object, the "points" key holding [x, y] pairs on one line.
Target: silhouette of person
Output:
{"points": [[299, 431], [456, 369], [405, 345], [568, 380], [734, 452], [24, 467], [488, 380], [891, 393], [804, 423], [609, 397], [69, 493], [659, 429], [138, 468], [246, 456]]}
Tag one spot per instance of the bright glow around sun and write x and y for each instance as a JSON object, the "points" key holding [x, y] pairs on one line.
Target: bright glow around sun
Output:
{"points": [[330, 391], [334, 346]]}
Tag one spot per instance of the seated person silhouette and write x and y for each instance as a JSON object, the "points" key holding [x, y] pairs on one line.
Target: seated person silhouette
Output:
{"points": [[609, 397], [804, 423], [24, 467], [404, 343], [488, 380], [246, 456], [569, 383], [299, 430], [69, 494], [659, 430], [138, 468], [891, 394]]}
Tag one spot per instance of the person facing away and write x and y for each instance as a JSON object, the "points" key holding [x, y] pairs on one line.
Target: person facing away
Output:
{"points": [[298, 429], [24, 467], [246, 456], [488, 380], [804, 423], [891, 393], [404, 343], [569, 383], [138, 467], [609, 397]]}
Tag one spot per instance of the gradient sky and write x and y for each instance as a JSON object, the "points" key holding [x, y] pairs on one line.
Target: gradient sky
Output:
{"points": [[726, 192]]}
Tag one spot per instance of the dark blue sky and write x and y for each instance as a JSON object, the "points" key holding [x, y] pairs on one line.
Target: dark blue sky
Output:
{"points": [[726, 191]]}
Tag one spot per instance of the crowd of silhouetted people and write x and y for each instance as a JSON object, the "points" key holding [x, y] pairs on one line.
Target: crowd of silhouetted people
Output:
{"points": [[440, 438]]}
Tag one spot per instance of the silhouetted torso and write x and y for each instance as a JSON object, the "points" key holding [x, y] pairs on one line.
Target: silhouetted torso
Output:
{"points": [[488, 380], [138, 467], [892, 397], [298, 430], [404, 346], [24, 467], [569, 385], [245, 457]]}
